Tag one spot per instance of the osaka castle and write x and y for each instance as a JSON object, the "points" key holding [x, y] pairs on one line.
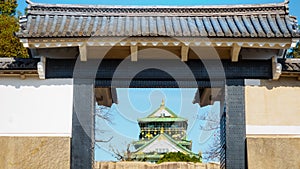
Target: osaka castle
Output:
{"points": [[161, 132]]}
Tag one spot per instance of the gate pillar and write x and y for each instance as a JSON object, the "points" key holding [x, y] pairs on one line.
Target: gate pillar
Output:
{"points": [[233, 129], [82, 144]]}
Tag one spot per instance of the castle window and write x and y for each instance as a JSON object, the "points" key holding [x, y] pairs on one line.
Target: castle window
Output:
{"points": [[162, 150]]}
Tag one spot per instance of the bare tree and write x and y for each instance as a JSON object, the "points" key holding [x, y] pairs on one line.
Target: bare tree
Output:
{"points": [[103, 113], [212, 123], [124, 155], [214, 147]]}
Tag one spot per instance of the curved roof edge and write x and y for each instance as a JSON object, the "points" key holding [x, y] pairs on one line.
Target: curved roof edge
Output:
{"points": [[213, 21], [184, 149]]}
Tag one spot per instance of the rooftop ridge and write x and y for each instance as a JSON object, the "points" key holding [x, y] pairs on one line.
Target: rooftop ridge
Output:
{"points": [[163, 107], [229, 21], [168, 138], [281, 8]]}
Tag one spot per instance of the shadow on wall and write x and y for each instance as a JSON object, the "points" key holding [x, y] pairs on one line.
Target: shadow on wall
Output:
{"points": [[33, 82], [282, 82]]}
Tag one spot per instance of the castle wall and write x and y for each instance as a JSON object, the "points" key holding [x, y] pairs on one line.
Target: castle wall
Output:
{"points": [[35, 123], [146, 165], [272, 124]]}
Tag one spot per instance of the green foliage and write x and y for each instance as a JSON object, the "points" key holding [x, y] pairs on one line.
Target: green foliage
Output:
{"points": [[294, 52], [8, 7], [10, 46], [179, 156]]}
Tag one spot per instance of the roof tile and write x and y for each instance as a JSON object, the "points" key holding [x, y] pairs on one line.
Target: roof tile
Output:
{"points": [[258, 26], [233, 26], [216, 26], [290, 65], [208, 26], [152, 26], [192, 27], [273, 24], [201, 27], [101, 25], [185, 29], [265, 25], [249, 26], [224, 26], [169, 27], [265, 21], [128, 27]]}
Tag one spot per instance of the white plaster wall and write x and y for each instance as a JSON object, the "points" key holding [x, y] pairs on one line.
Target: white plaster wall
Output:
{"points": [[34, 107], [272, 107]]}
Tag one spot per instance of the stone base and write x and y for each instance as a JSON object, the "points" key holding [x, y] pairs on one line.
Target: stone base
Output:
{"points": [[35, 152], [146, 165], [273, 152]]}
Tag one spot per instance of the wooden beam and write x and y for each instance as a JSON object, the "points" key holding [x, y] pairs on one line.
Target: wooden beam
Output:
{"points": [[205, 97], [235, 52], [278, 43], [184, 53], [134, 53], [209, 96], [83, 52], [103, 96]]}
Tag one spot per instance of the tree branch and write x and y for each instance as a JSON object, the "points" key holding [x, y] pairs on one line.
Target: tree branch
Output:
{"points": [[104, 141]]}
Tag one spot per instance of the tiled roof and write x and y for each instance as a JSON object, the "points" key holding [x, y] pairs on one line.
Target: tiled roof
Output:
{"points": [[163, 140], [18, 67], [162, 114], [18, 64], [160, 119], [48, 20], [162, 111], [290, 65]]}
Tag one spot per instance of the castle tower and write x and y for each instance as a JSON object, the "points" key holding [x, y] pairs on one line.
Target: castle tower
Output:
{"points": [[161, 132]]}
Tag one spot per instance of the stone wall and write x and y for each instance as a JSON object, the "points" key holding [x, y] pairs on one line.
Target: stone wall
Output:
{"points": [[272, 153], [35, 123], [145, 165], [34, 152], [272, 124]]}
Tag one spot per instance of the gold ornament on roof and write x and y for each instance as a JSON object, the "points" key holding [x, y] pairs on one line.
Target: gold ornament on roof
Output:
{"points": [[162, 130], [148, 135], [162, 103]]}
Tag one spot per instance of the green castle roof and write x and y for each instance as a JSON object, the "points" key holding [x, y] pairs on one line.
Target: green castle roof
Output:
{"points": [[162, 114], [168, 138]]}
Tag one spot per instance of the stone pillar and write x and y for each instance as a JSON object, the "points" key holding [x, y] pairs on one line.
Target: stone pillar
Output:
{"points": [[233, 129], [83, 123], [82, 146]]}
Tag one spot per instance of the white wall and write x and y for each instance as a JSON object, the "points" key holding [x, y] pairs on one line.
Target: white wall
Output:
{"points": [[272, 107], [34, 107]]}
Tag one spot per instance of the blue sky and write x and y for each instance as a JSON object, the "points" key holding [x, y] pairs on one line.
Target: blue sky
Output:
{"points": [[136, 103]]}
